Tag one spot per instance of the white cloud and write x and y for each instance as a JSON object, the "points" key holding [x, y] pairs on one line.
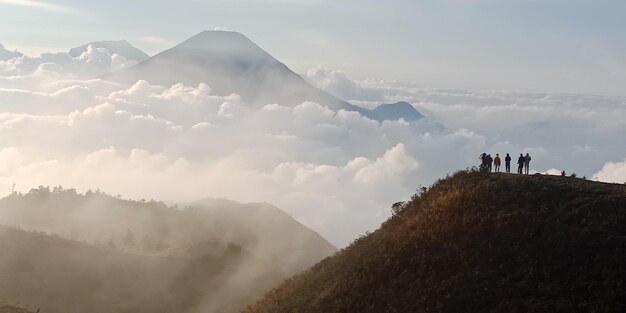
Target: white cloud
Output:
{"points": [[612, 172], [387, 168], [91, 63], [10, 159], [342, 86], [553, 171], [303, 158], [337, 172], [6, 54], [570, 131]]}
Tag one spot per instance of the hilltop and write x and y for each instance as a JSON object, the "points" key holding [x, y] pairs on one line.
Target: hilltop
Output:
{"points": [[476, 242]]}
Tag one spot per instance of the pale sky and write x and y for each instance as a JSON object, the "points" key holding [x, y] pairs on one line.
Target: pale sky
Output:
{"points": [[548, 45]]}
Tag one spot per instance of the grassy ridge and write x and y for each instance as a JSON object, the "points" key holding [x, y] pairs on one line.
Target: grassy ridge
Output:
{"points": [[479, 243]]}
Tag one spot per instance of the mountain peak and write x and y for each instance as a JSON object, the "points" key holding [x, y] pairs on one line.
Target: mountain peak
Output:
{"points": [[225, 45], [220, 32], [229, 62], [394, 111], [218, 35]]}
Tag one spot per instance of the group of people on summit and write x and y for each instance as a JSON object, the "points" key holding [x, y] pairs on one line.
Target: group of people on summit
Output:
{"points": [[488, 163]]}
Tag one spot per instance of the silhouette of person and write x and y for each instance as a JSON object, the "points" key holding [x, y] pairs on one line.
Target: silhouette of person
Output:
{"points": [[496, 162], [483, 160], [520, 163], [489, 162], [507, 163], [526, 163]]}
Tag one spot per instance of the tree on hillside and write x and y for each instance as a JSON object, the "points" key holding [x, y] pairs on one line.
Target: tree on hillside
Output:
{"points": [[160, 246], [147, 244], [111, 244], [129, 239]]}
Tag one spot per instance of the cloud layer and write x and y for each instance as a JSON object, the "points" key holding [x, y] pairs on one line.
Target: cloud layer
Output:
{"points": [[336, 172], [92, 62], [576, 133]]}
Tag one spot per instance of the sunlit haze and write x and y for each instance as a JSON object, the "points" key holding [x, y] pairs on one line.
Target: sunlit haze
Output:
{"points": [[329, 156], [538, 77]]}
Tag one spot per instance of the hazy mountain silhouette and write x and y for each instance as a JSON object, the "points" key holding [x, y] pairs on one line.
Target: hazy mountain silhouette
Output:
{"points": [[144, 256], [394, 111], [120, 47], [59, 275], [478, 243], [229, 62]]}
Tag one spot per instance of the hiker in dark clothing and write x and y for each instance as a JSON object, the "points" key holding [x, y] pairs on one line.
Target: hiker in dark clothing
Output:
{"points": [[496, 162], [520, 163], [483, 161], [489, 162], [507, 163]]}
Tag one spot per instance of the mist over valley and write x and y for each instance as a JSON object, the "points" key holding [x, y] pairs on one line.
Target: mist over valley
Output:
{"points": [[328, 157]]}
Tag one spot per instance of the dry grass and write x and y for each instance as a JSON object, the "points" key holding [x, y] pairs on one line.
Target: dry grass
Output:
{"points": [[477, 242]]}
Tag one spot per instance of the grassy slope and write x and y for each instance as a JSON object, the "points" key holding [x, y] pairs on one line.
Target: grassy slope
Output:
{"points": [[477, 243]]}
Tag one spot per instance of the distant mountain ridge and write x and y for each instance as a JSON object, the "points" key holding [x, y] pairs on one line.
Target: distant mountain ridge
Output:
{"points": [[394, 111], [120, 47], [97, 253], [101, 217], [229, 62]]}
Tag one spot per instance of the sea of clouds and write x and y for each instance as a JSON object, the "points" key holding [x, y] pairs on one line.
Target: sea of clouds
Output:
{"points": [[336, 172]]}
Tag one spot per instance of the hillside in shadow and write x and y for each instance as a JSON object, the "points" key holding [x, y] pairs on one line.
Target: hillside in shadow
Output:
{"points": [[62, 251], [476, 242]]}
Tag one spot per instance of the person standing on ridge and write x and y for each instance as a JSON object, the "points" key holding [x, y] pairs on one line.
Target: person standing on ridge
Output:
{"points": [[483, 160], [489, 162], [520, 163], [526, 163], [507, 163], [496, 162]]}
